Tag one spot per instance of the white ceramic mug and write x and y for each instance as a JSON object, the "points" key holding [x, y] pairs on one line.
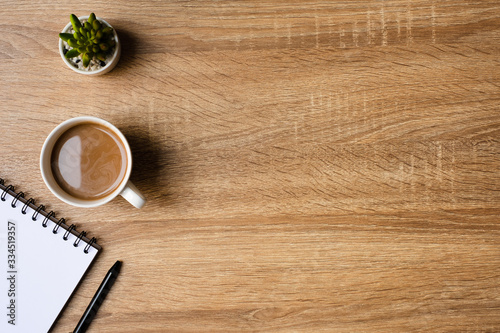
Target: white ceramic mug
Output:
{"points": [[126, 189]]}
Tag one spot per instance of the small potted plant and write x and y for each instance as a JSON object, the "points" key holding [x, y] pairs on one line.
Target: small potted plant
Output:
{"points": [[89, 45]]}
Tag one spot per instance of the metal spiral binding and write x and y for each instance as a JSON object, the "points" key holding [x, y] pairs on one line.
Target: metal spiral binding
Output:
{"points": [[89, 244], [58, 225], [50, 216], [47, 217], [37, 211], [66, 234], [79, 238], [30, 201], [5, 191], [16, 199]]}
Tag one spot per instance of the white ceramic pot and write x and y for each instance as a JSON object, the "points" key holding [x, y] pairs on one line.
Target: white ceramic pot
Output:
{"points": [[111, 63]]}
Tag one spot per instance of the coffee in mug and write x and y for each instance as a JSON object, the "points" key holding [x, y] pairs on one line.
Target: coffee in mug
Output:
{"points": [[86, 162]]}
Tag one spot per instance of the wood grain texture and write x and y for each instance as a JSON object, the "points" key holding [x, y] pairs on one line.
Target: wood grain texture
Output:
{"points": [[309, 165]]}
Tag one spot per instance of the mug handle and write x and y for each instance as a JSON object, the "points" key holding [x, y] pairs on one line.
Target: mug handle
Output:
{"points": [[133, 195]]}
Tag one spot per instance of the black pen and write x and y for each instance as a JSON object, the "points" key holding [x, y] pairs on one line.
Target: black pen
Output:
{"points": [[98, 298]]}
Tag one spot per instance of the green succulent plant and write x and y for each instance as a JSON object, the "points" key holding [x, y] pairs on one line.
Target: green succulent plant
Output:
{"points": [[91, 39]]}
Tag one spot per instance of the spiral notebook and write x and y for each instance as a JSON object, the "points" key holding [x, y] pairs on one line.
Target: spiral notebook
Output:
{"points": [[42, 260]]}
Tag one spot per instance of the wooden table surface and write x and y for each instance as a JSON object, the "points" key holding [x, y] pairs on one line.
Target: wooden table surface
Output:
{"points": [[309, 166]]}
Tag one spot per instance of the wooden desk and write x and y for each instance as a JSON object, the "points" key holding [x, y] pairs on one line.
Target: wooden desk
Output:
{"points": [[311, 166]]}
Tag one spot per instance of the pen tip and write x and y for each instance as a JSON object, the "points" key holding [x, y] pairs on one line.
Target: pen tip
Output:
{"points": [[117, 265]]}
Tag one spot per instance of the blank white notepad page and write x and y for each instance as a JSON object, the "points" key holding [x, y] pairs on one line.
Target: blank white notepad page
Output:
{"points": [[39, 270]]}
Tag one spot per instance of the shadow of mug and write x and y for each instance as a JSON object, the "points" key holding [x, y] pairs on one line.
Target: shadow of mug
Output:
{"points": [[154, 166]]}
